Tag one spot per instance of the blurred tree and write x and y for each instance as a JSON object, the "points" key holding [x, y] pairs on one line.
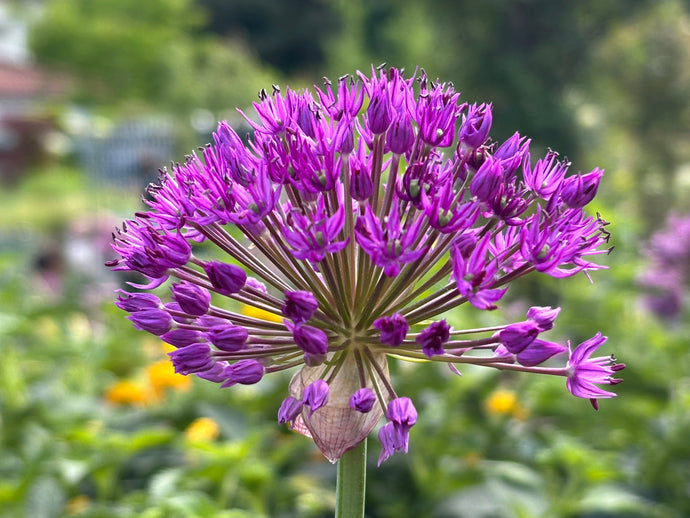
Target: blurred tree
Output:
{"points": [[153, 51], [399, 33], [289, 35], [119, 46], [641, 79], [522, 55]]}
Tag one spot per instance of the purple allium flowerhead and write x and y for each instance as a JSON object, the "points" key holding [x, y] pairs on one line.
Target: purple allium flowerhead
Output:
{"points": [[360, 217], [666, 274]]}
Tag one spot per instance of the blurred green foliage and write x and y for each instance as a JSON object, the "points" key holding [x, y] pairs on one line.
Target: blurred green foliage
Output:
{"points": [[606, 83], [148, 52]]}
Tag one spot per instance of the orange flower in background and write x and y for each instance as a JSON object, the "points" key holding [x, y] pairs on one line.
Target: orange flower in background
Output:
{"points": [[203, 429], [128, 392]]}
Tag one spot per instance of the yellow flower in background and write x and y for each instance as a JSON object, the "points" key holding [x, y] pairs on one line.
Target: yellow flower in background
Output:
{"points": [[162, 375], [505, 402], [202, 429], [128, 392], [255, 312], [77, 505]]}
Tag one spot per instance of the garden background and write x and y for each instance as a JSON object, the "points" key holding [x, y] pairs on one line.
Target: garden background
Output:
{"points": [[95, 96]]}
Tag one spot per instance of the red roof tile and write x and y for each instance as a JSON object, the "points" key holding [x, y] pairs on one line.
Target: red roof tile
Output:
{"points": [[27, 82]]}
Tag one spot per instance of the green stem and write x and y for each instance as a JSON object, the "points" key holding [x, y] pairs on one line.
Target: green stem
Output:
{"points": [[352, 482]]}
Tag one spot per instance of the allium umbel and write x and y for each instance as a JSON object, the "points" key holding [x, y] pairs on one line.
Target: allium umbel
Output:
{"points": [[360, 215]]}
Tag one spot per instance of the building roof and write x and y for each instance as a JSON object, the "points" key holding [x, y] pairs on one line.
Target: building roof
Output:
{"points": [[24, 82]]}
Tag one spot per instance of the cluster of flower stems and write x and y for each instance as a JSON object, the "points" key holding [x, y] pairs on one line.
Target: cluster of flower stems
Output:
{"points": [[360, 214]]}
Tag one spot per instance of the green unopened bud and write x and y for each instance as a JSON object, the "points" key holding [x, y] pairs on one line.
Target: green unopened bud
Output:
{"points": [[414, 188], [443, 217], [543, 252], [319, 238]]}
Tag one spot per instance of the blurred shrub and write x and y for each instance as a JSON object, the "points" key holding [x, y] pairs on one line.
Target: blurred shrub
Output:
{"points": [[152, 51]]}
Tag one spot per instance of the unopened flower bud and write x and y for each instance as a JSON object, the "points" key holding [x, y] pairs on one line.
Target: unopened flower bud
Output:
{"points": [[476, 126], [315, 395], [299, 306], [132, 302], [310, 339], [154, 321], [402, 413], [516, 337], [192, 358], [181, 337], [225, 278], [378, 113], [192, 299], [244, 372], [345, 136], [511, 153], [393, 329], [433, 337], [177, 314], [363, 400], [290, 408], [544, 316], [486, 180], [256, 284], [538, 352], [400, 136], [577, 191], [227, 337], [218, 373], [361, 187]]}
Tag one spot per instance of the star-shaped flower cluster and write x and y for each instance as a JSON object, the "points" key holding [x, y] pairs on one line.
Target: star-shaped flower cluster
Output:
{"points": [[360, 214]]}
